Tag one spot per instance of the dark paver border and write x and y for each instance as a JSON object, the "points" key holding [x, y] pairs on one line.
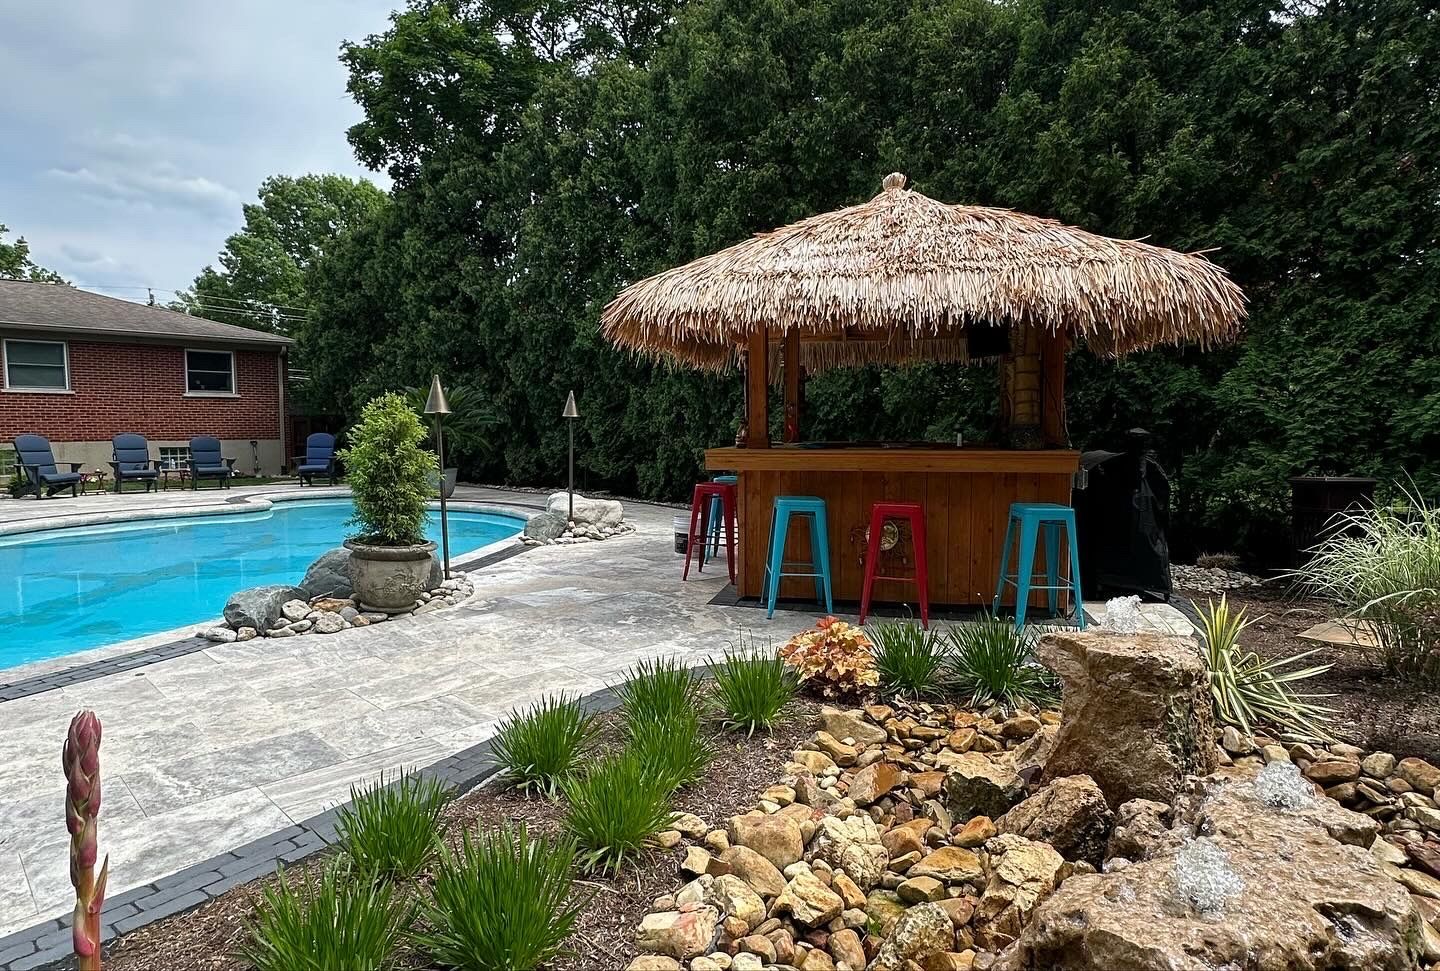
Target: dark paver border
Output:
{"points": [[48, 945]]}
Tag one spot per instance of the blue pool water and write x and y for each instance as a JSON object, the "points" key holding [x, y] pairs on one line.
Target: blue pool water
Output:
{"points": [[67, 590]]}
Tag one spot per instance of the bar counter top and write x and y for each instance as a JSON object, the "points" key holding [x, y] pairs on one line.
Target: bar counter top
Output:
{"points": [[898, 458]]}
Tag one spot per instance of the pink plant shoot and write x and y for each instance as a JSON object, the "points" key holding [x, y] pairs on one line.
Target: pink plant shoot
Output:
{"points": [[81, 761]]}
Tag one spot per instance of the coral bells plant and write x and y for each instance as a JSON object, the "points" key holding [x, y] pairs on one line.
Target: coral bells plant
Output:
{"points": [[835, 656], [81, 760]]}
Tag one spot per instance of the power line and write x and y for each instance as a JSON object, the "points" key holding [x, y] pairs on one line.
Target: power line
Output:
{"points": [[216, 302]]}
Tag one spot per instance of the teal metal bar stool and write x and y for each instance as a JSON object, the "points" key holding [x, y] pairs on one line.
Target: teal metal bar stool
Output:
{"points": [[819, 565], [1031, 517]]}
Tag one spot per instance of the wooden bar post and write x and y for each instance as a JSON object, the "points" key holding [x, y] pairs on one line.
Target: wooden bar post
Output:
{"points": [[757, 390], [792, 387], [1053, 427]]}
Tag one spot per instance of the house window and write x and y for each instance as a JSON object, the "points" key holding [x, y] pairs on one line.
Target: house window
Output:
{"points": [[174, 456], [36, 366], [209, 372]]}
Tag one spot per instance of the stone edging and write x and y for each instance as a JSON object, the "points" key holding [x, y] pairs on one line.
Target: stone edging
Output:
{"points": [[118, 664], [48, 945]]}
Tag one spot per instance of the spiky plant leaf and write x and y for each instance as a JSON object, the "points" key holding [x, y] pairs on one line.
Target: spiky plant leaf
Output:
{"points": [[994, 664], [544, 744], [752, 687], [343, 919], [390, 829], [614, 810], [910, 659]]}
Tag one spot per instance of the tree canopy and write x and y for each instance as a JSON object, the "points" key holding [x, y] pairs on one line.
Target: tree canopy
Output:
{"points": [[265, 268], [544, 155], [15, 262]]}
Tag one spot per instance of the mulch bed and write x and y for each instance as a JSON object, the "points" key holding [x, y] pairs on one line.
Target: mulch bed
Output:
{"points": [[1374, 710], [209, 936]]}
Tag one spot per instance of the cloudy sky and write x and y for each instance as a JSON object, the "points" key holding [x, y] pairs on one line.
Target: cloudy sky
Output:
{"points": [[132, 130]]}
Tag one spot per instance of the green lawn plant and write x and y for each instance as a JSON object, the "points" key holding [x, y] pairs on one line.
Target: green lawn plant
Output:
{"points": [[661, 689], [615, 808], [675, 750], [504, 902], [1382, 566], [910, 659], [340, 919], [390, 829], [994, 664], [1247, 689], [752, 687], [389, 473], [543, 745]]}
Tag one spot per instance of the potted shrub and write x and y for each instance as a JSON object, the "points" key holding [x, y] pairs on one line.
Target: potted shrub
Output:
{"points": [[389, 475]]}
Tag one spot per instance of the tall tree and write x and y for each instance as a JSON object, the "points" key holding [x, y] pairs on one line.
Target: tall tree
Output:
{"points": [[265, 268], [15, 262]]}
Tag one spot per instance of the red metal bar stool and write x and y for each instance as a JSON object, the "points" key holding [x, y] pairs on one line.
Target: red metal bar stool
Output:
{"points": [[915, 513], [700, 502]]}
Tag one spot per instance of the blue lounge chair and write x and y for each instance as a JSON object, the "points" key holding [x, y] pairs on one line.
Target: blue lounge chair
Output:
{"points": [[319, 458], [132, 462], [35, 461], [206, 462]]}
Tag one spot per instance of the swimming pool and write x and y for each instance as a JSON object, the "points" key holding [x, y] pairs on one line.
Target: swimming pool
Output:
{"points": [[67, 590]]}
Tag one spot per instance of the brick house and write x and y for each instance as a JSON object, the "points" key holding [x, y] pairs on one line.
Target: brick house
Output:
{"points": [[79, 368]]}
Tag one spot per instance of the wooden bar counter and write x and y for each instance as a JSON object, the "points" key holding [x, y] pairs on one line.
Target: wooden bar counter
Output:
{"points": [[966, 493]]}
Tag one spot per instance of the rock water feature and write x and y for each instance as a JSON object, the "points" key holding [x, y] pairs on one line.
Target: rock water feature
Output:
{"points": [[875, 833]]}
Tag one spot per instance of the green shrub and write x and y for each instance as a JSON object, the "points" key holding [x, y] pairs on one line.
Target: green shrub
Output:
{"points": [[543, 744], [910, 659], [615, 808], [391, 830], [343, 920], [752, 687], [674, 750], [1246, 689], [658, 690], [389, 473], [1383, 567], [993, 663], [504, 902]]}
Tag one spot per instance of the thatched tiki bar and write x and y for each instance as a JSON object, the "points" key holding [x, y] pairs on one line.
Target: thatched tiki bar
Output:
{"points": [[906, 278]]}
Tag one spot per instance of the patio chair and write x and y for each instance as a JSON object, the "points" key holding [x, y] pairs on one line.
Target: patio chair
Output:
{"points": [[132, 462], [206, 462], [319, 458], [35, 460]]}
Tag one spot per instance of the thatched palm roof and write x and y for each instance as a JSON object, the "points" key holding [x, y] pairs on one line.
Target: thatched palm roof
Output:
{"points": [[899, 278]]}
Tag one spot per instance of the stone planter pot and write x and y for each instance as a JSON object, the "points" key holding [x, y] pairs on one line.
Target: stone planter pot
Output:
{"points": [[389, 578]]}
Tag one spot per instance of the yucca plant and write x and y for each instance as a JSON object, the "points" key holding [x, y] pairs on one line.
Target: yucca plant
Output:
{"points": [[390, 829], [1383, 567], [343, 919], [504, 902], [910, 659], [544, 744], [1247, 689], [615, 808], [676, 751], [994, 664], [752, 687], [658, 689]]}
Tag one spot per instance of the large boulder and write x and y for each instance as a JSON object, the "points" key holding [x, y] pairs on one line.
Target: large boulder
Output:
{"points": [[546, 526], [588, 512], [1070, 814], [1294, 900], [1137, 712], [981, 784], [329, 576], [260, 607]]}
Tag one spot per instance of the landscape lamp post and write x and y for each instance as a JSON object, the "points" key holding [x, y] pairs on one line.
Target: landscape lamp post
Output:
{"points": [[572, 413], [437, 405]]}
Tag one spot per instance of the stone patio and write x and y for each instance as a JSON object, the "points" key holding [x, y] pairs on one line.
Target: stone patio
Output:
{"points": [[232, 742]]}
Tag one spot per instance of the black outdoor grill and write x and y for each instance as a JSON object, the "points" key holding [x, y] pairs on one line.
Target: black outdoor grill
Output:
{"points": [[1122, 512]]}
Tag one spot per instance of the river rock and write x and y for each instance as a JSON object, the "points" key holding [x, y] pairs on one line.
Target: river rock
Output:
{"points": [[1305, 903], [760, 874], [1070, 814], [259, 607], [952, 864], [852, 845], [329, 576], [1141, 829], [979, 784], [1137, 712], [808, 901], [851, 725], [680, 934], [733, 897], [777, 838], [1022, 873], [588, 512], [874, 781], [328, 623], [922, 931]]}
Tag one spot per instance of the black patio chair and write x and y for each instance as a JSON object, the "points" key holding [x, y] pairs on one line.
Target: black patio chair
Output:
{"points": [[132, 462], [206, 462], [35, 460], [319, 458]]}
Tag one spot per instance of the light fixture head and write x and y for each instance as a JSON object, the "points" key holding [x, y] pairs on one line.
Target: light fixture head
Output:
{"points": [[436, 404], [570, 410]]}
